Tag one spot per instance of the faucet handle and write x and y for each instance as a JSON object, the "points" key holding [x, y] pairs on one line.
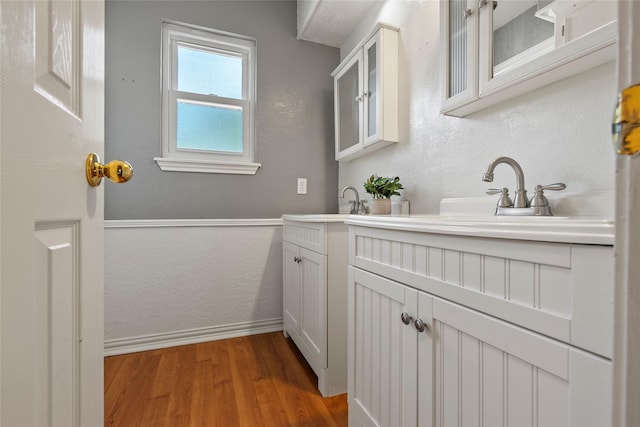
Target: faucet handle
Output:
{"points": [[492, 191], [363, 209], [555, 187], [539, 200], [504, 201]]}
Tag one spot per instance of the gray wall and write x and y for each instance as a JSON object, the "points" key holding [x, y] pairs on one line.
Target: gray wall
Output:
{"points": [[294, 115]]}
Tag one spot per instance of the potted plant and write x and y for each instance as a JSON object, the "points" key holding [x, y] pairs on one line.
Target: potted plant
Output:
{"points": [[381, 189]]}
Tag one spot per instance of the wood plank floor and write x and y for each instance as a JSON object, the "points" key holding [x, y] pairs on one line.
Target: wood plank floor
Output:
{"points": [[260, 380]]}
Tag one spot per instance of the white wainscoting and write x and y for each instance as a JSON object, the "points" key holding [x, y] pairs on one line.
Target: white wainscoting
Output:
{"points": [[175, 282]]}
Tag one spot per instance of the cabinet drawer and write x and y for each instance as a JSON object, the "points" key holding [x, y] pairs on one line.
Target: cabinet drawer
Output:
{"points": [[310, 235], [564, 291]]}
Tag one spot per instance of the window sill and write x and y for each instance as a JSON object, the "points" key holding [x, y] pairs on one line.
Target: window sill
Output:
{"points": [[206, 166]]}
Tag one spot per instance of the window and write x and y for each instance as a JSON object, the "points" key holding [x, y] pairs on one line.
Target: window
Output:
{"points": [[208, 100]]}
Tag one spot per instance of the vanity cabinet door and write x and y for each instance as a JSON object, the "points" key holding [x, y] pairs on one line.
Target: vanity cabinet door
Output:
{"points": [[291, 288], [313, 307], [382, 369], [305, 303], [450, 365], [490, 372]]}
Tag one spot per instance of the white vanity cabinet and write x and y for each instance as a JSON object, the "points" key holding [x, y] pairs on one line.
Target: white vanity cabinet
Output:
{"points": [[314, 296], [366, 95], [492, 51], [459, 330]]}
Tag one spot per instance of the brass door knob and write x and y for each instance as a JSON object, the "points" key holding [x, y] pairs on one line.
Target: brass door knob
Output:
{"points": [[626, 122], [117, 171]]}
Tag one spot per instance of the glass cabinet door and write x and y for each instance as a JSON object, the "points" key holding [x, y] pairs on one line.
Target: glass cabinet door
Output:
{"points": [[519, 32], [523, 37], [366, 109], [372, 90], [348, 93], [459, 20], [496, 50]]}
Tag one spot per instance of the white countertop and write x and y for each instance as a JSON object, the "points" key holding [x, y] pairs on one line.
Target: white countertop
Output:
{"points": [[316, 217], [588, 219], [583, 230]]}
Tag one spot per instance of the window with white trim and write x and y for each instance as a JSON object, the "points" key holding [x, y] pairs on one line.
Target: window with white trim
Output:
{"points": [[208, 101]]}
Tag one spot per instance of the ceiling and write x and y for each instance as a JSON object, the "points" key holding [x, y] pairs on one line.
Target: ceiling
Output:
{"points": [[330, 22]]}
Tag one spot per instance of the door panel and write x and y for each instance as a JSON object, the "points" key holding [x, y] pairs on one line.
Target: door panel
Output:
{"points": [[382, 352], [291, 297], [426, 415], [56, 334], [52, 115], [313, 311], [489, 372]]}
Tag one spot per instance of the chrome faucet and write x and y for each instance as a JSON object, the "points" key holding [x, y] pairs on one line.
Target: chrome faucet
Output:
{"points": [[357, 206], [537, 206], [521, 200]]}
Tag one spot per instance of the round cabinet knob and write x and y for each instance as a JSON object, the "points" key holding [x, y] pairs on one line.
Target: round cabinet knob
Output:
{"points": [[420, 325], [406, 319]]}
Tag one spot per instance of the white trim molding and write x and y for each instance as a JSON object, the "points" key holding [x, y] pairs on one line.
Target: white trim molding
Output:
{"points": [[192, 336], [157, 223], [168, 164]]}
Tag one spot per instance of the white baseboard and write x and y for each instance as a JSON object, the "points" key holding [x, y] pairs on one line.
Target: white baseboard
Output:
{"points": [[171, 339]]}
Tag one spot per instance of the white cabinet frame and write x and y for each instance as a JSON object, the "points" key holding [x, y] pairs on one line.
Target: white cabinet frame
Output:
{"points": [[515, 329], [486, 87], [384, 110], [315, 298]]}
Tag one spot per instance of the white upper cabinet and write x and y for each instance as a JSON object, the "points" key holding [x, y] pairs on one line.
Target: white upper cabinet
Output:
{"points": [[495, 50], [366, 95]]}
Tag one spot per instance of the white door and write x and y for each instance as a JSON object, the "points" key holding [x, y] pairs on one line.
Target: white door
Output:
{"points": [[51, 300], [626, 363]]}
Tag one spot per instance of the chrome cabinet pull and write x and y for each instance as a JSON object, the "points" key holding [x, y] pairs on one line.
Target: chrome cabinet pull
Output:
{"points": [[420, 325], [406, 319], [483, 3]]}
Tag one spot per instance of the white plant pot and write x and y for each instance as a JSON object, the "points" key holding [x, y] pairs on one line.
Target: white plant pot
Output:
{"points": [[380, 207]]}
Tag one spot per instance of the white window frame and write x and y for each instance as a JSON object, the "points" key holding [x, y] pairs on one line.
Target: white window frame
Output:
{"points": [[182, 160]]}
